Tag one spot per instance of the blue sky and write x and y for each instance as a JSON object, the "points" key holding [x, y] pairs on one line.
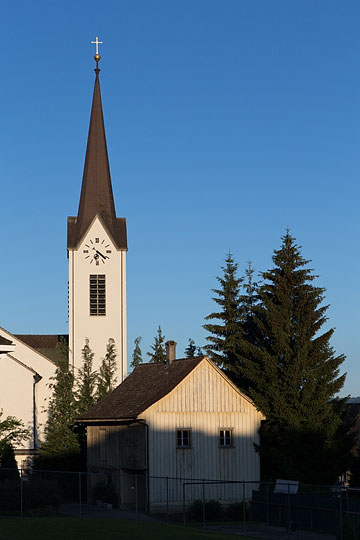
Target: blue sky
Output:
{"points": [[226, 121]]}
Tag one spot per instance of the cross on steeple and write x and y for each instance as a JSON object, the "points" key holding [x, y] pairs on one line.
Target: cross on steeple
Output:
{"points": [[97, 42]]}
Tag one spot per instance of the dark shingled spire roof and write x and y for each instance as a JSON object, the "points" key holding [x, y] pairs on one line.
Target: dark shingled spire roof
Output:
{"points": [[96, 192]]}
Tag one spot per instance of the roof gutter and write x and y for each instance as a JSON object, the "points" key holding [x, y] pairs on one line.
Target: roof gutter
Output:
{"points": [[102, 420]]}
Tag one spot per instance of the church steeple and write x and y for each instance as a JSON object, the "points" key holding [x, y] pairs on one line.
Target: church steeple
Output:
{"points": [[97, 255], [96, 192]]}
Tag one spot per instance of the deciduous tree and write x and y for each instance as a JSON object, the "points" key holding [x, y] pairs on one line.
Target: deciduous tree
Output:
{"points": [[12, 431]]}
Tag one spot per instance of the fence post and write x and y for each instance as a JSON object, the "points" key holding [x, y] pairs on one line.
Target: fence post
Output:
{"points": [[21, 493], [355, 525], [167, 498], [136, 496], [340, 516], [203, 504], [289, 511], [80, 516], [243, 502], [184, 514]]}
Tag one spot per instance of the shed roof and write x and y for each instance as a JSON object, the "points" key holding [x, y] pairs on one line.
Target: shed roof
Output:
{"points": [[142, 388]]}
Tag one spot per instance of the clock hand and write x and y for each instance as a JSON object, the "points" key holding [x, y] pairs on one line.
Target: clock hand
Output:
{"points": [[99, 253]]}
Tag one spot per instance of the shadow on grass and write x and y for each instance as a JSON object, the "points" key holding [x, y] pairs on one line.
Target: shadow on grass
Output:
{"points": [[86, 529]]}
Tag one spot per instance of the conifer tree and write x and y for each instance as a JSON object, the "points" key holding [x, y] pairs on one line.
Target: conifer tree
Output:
{"points": [[61, 449], [158, 353], [192, 350], [107, 373], [225, 332], [86, 380], [137, 354], [292, 370], [248, 300]]}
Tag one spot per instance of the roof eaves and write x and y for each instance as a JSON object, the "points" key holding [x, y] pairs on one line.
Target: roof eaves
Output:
{"points": [[108, 420], [79, 239], [28, 346]]}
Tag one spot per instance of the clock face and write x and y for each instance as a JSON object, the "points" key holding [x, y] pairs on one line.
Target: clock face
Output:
{"points": [[97, 251]]}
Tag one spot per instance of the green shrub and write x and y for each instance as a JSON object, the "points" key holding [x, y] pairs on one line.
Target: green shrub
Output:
{"points": [[105, 493], [38, 492], [10, 495], [235, 511], [213, 510], [8, 463]]}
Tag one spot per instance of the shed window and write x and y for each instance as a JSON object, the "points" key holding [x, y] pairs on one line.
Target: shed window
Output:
{"points": [[225, 438], [183, 438], [97, 294]]}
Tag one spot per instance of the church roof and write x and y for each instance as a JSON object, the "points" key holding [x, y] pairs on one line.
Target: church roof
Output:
{"points": [[96, 192], [4, 341], [46, 344], [142, 388]]}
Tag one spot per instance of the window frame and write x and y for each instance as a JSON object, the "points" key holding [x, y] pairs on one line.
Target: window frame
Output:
{"points": [[226, 437], [181, 438]]}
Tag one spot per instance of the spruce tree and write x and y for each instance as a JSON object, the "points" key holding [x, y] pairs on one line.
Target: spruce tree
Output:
{"points": [[107, 373], [192, 350], [247, 331], [158, 353], [61, 449], [86, 380], [292, 370], [248, 300], [137, 354], [225, 332]]}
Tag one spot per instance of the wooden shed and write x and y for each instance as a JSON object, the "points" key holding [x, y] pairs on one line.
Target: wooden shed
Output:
{"points": [[171, 423]]}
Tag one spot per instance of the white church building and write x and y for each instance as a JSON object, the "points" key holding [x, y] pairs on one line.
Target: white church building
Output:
{"points": [[96, 245]]}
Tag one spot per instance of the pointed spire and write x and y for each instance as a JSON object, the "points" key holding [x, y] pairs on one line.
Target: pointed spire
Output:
{"points": [[96, 192]]}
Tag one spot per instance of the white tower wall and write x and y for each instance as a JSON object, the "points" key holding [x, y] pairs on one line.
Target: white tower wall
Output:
{"points": [[97, 328]]}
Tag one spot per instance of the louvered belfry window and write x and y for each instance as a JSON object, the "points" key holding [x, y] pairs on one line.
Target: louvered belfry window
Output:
{"points": [[97, 294]]}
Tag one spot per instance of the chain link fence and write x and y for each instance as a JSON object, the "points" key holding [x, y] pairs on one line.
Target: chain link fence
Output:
{"points": [[328, 509]]}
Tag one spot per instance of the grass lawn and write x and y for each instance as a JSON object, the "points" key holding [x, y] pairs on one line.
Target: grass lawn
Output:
{"points": [[98, 529]]}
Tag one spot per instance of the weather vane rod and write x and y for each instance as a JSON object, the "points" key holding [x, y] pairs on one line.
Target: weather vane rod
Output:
{"points": [[97, 56]]}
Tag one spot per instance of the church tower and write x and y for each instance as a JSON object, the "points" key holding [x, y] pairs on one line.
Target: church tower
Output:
{"points": [[97, 246]]}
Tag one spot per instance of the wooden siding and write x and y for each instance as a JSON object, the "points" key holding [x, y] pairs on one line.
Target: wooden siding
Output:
{"points": [[204, 402], [116, 447]]}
